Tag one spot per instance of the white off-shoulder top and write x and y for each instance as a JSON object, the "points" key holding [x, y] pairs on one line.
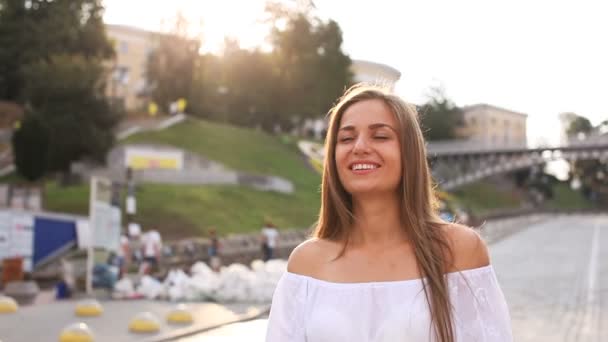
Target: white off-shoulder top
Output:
{"points": [[313, 310]]}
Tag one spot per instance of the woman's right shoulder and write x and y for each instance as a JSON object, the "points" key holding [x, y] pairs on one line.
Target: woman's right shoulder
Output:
{"points": [[310, 256]]}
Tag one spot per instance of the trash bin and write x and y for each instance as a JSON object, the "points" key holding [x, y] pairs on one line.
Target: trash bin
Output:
{"points": [[12, 270]]}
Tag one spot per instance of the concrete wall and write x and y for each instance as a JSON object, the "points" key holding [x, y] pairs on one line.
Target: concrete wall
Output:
{"points": [[196, 171]]}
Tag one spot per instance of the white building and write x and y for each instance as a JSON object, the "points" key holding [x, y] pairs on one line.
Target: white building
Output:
{"points": [[375, 73]]}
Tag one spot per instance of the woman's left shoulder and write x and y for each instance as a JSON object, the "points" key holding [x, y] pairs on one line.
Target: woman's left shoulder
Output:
{"points": [[469, 251]]}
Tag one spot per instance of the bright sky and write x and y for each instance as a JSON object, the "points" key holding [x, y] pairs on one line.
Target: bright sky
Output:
{"points": [[537, 57]]}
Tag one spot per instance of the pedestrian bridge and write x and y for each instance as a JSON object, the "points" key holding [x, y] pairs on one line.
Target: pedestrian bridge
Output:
{"points": [[456, 163]]}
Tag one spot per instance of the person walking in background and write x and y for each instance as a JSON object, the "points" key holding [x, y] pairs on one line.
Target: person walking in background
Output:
{"points": [[269, 240], [152, 242], [214, 250], [135, 243], [124, 255]]}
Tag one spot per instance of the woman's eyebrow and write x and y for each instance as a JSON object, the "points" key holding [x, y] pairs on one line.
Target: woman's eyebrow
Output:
{"points": [[372, 126], [381, 125]]}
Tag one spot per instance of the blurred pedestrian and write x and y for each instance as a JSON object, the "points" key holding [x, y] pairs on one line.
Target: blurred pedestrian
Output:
{"points": [[123, 255], [214, 250], [269, 240], [152, 244]]}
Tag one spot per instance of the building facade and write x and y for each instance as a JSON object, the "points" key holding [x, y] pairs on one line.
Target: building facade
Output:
{"points": [[127, 81], [494, 126]]}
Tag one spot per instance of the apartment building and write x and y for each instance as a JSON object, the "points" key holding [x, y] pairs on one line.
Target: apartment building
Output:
{"points": [[494, 126]]}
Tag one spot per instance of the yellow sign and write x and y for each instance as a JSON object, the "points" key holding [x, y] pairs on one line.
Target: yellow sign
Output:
{"points": [[152, 108], [181, 105], [139, 158], [146, 162]]}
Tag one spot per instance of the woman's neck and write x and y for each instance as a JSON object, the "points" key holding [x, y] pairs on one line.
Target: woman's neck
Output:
{"points": [[377, 221]]}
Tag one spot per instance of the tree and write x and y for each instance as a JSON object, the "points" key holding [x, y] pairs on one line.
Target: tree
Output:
{"points": [[30, 148], [440, 116], [13, 40], [67, 94], [35, 30], [57, 70], [578, 124], [237, 87], [301, 77], [312, 69], [171, 64], [602, 127], [334, 66], [246, 104]]}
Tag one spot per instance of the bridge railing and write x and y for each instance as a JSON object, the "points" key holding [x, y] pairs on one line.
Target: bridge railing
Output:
{"points": [[458, 146]]}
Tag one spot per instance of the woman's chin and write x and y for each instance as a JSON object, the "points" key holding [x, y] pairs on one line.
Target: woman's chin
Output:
{"points": [[369, 191]]}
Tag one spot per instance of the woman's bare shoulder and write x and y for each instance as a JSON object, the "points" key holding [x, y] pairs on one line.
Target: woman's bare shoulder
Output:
{"points": [[468, 248], [309, 256]]}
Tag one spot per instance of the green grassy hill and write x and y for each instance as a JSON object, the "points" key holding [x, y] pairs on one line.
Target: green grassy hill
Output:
{"points": [[483, 197], [564, 198], [179, 210]]}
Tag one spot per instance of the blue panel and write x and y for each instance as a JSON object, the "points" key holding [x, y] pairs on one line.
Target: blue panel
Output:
{"points": [[51, 236]]}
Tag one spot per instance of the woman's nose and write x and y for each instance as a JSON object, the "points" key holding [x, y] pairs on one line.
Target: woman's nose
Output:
{"points": [[361, 145]]}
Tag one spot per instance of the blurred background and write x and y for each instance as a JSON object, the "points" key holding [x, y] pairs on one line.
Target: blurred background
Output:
{"points": [[172, 150]]}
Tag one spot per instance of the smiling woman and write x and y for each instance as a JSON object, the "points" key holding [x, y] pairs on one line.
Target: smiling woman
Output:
{"points": [[214, 20], [382, 265]]}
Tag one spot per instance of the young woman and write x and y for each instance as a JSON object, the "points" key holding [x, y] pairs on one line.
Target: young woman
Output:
{"points": [[382, 266]]}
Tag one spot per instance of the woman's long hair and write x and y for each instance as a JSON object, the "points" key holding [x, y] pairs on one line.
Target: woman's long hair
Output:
{"points": [[418, 202]]}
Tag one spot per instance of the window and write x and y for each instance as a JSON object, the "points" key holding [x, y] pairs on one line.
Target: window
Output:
{"points": [[121, 74], [123, 47]]}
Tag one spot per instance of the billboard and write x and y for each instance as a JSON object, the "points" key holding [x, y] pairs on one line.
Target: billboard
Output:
{"points": [[139, 158]]}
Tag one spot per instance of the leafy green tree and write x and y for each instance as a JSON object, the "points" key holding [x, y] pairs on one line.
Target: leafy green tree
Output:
{"points": [[579, 124], [53, 55], [301, 77], [35, 30], [334, 66], [67, 94], [440, 116], [592, 173], [30, 148], [312, 69], [172, 64]]}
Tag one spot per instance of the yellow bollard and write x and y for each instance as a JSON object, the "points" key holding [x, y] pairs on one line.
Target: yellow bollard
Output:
{"points": [[77, 332], [144, 322], [180, 315], [8, 305], [88, 308]]}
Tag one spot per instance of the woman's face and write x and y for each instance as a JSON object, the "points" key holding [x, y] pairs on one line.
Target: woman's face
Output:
{"points": [[368, 154]]}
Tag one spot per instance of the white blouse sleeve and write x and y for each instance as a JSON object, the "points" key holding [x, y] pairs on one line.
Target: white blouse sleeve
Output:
{"points": [[480, 310], [286, 320]]}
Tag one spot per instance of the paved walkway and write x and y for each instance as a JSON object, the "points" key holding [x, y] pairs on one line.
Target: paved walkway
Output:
{"points": [[552, 270], [45, 322], [555, 278]]}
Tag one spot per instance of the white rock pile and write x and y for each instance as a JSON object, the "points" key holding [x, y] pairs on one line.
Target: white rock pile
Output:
{"points": [[234, 283]]}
